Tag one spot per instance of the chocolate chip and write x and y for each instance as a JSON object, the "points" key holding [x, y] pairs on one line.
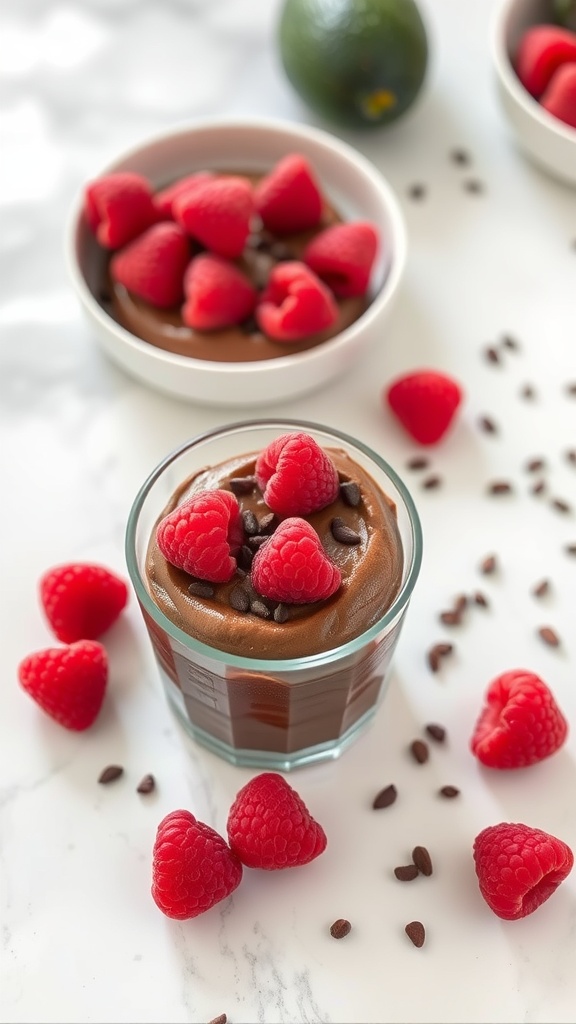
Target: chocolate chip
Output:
{"points": [[104, 296], [385, 798], [281, 613], [244, 558], [406, 873], [560, 505], [222, 1019], [281, 252], [571, 389], [487, 425], [500, 487], [436, 653], [474, 186], [250, 326], [350, 493], [422, 860], [510, 343], [266, 522], [109, 774], [257, 541], [437, 732], [431, 483], [250, 522], [340, 929], [242, 484], [570, 549], [239, 599], [416, 933], [571, 456], [461, 603], [449, 792], [419, 750], [451, 618], [147, 784], [418, 462], [480, 599], [460, 156], [535, 465], [538, 487], [342, 533], [549, 636], [444, 649], [199, 588], [541, 589], [528, 392], [488, 565], [417, 192], [261, 266], [259, 608], [492, 354]]}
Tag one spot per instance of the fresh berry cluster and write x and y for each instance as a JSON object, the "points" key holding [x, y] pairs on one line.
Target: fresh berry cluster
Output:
{"points": [[546, 66], [203, 535], [181, 247], [269, 827]]}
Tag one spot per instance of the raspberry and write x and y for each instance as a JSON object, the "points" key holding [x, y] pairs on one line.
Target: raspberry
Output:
{"points": [[295, 303], [425, 402], [202, 535], [519, 868], [217, 213], [68, 683], [118, 207], [288, 199], [559, 98], [218, 294], [343, 256], [152, 266], [521, 724], [296, 476], [543, 48], [293, 567], [163, 200], [270, 827], [193, 868], [81, 601]]}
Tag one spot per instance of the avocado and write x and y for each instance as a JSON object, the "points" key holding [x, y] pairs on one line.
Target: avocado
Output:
{"points": [[359, 63]]}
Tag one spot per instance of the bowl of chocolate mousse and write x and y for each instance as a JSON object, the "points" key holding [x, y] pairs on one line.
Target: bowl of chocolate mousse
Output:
{"points": [[269, 677], [241, 365]]}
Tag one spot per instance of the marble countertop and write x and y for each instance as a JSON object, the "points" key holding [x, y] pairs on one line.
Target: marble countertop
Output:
{"points": [[81, 938]]}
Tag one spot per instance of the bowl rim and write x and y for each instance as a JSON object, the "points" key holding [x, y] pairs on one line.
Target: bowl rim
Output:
{"points": [[342, 150], [504, 68]]}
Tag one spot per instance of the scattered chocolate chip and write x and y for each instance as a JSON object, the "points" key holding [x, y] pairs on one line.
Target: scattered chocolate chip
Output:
{"points": [[571, 456], [259, 608], [436, 653], [571, 389], [492, 354], [147, 784], [281, 252], [474, 186], [109, 774], [560, 505], [261, 266], [104, 296], [480, 599], [461, 603], [222, 1019], [418, 462], [199, 588], [538, 487], [417, 192], [340, 929], [281, 613], [242, 484], [244, 557], [239, 599], [266, 522], [449, 792], [406, 873], [432, 482], [350, 493], [570, 549], [416, 933], [510, 343], [535, 465], [419, 750], [500, 487], [528, 392], [541, 589], [487, 425], [549, 636], [257, 541], [488, 565], [451, 618], [385, 798], [250, 523], [444, 649], [460, 156], [422, 860], [342, 533], [437, 732], [250, 326]]}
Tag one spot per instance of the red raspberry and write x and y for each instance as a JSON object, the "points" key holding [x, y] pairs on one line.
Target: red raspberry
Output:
{"points": [[425, 402], [218, 214], [270, 827], [559, 98], [520, 725], [296, 475], [519, 868], [218, 294], [288, 199], [68, 683], [295, 304], [152, 266], [202, 535], [293, 567], [118, 207], [343, 256], [164, 199], [193, 868], [543, 48], [81, 601]]}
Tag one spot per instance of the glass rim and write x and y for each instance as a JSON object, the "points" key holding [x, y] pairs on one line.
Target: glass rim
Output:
{"points": [[278, 664]]}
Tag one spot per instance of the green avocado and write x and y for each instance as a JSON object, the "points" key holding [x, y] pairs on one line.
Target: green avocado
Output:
{"points": [[359, 63]]}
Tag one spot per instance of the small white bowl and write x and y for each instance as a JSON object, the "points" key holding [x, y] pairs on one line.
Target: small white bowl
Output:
{"points": [[544, 138], [350, 182]]}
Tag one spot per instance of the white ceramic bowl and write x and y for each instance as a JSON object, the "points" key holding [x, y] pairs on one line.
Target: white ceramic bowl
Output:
{"points": [[349, 181], [544, 138]]}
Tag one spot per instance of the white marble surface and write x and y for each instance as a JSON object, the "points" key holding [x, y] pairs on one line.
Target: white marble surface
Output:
{"points": [[81, 938]]}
